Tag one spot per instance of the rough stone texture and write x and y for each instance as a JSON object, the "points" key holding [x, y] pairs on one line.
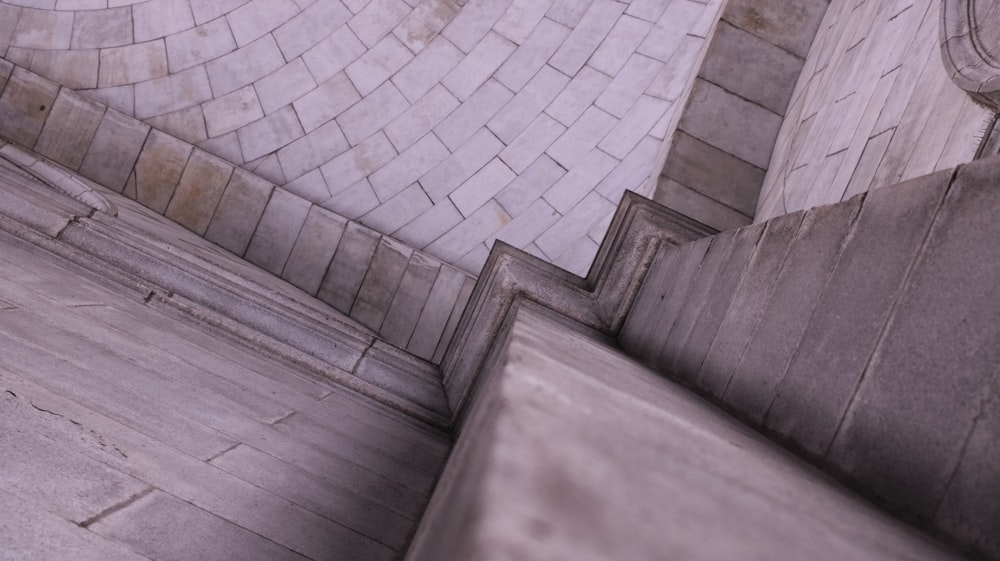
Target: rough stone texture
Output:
{"points": [[158, 169], [852, 312], [575, 451], [198, 193], [25, 104], [811, 258]]}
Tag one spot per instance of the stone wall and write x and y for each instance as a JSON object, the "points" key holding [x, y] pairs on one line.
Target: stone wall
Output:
{"points": [[862, 334], [873, 106], [445, 124]]}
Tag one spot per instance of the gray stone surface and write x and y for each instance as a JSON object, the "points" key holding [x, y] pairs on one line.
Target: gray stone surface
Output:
{"points": [[25, 104], [935, 365], [277, 231], [746, 307], [714, 173], [112, 155], [852, 311], [69, 129], [158, 169], [404, 310], [198, 193], [784, 319], [388, 265], [347, 270], [576, 452], [789, 26], [314, 249], [239, 211]]}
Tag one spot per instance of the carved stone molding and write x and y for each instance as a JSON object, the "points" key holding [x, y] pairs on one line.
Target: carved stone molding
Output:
{"points": [[970, 47]]}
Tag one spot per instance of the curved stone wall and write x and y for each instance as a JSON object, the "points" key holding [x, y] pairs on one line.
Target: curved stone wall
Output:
{"points": [[444, 125], [874, 106]]}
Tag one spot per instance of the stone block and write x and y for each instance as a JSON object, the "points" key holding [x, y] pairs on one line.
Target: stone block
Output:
{"points": [[113, 153], [623, 40], [252, 20], [582, 137], [388, 264], [440, 302], [409, 300], [70, 129], [349, 266], [430, 225], [231, 111], [76, 69], [679, 20], [201, 186], [377, 19], [587, 36], [409, 166], [473, 114], [43, 29], [838, 343], [521, 193], [277, 231], [358, 163], [311, 26], [186, 124], [670, 84], [482, 187], [634, 126], [525, 228], [477, 67], [791, 27], [199, 45], [9, 15], [244, 66], [239, 211], [158, 169], [419, 119], [733, 52], [310, 186], [161, 18], [714, 173], [372, 113], [637, 74], [427, 69], [473, 231], [746, 307], [312, 150], [399, 210], [633, 173], [102, 28], [569, 12], [527, 104], [578, 95], [575, 224], [132, 63], [333, 54], [325, 102], [25, 104], [935, 364], [529, 58], [810, 261], [520, 19], [285, 85], [178, 91], [474, 21], [461, 165], [697, 206], [731, 123], [424, 23], [649, 10], [581, 180], [353, 202], [528, 147], [205, 10], [267, 135], [380, 62], [314, 249]]}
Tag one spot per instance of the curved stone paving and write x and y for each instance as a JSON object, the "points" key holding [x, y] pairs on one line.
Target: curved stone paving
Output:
{"points": [[444, 125]]}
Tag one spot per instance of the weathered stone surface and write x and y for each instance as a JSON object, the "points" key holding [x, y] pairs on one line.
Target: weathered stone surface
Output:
{"points": [[935, 365], [132, 63], [791, 27], [439, 306], [239, 211], [314, 249], [388, 264], [25, 104], [114, 150], [746, 307], [69, 130], [277, 231], [198, 193], [347, 270], [409, 300], [158, 169], [853, 310], [714, 173]]}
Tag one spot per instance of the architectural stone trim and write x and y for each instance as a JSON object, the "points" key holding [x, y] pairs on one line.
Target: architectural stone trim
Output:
{"points": [[970, 50]]}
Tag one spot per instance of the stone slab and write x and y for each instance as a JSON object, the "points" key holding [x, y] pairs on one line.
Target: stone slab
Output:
{"points": [[198, 193], [409, 300], [385, 272], [239, 211], [115, 148], [70, 129], [314, 249], [158, 169], [277, 231], [347, 270], [25, 105]]}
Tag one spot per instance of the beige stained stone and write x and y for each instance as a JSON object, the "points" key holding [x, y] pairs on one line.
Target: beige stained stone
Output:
{"points": [[201, 186], [114, 150], [70, 129], [158, 169], [26, 102], [239, 210], [424, 23], [132, 64]]}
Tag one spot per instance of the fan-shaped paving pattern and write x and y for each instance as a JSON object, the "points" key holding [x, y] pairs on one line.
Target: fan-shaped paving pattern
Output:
{"points": [[445, 125]]}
